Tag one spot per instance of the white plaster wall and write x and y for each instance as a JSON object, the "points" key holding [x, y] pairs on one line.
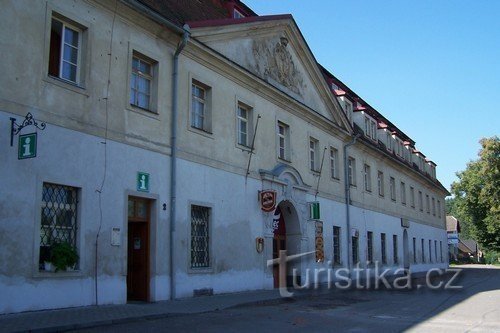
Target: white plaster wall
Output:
{"points": [[71, 158]]}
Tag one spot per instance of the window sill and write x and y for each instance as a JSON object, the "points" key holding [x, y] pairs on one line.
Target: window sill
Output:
{"points": [[335, 179], [144, 112], [244, 147], [201, 132], [284, 160], [314, 172], [66, 85], [204, 270], [57, 275]]}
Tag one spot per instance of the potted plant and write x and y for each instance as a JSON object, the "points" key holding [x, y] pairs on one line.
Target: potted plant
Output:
{"points": [[63, 255]]}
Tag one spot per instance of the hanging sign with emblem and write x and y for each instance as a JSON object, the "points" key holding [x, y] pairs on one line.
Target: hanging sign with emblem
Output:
{"points": [[267, 200]]}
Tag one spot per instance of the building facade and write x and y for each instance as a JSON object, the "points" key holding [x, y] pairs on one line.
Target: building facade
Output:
{"points": [[164, 122]]}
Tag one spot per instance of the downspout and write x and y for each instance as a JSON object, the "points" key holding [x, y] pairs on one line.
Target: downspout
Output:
{"points": [[173, 157], [348, 201]]}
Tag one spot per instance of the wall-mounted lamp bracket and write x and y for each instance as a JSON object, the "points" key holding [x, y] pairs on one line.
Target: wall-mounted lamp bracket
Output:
{"points": [[15, 128]]}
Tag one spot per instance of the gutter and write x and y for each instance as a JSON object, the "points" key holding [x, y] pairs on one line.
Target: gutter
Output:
{"points": [[185, 33], [347, 188]]}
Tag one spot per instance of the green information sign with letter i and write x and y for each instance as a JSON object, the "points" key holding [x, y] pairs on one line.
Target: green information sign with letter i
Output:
{"points": [[314, 210], [27, 146], [143, 182]]}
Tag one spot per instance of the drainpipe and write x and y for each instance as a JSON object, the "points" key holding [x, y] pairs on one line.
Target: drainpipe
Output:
{"points": [[348, 201], [173, 157]]}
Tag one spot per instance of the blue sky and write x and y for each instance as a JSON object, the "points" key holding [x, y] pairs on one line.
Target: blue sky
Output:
{"points": [[431, 67]]}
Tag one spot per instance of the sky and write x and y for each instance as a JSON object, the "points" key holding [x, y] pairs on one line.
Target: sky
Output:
{"points": [[432, 67]]}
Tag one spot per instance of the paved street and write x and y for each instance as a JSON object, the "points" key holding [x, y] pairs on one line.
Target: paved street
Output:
{"points": [[475, 308]]}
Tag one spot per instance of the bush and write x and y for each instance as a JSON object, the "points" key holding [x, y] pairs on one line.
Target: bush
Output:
{"points": [[492, 257]]}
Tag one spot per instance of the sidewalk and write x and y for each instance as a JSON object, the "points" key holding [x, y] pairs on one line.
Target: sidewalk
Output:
{"points": [[91, 316]]}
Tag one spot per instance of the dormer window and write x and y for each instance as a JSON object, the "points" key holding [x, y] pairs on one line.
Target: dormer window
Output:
{"points": [[370, 128], [237, 14], [348, 109], [390, 142]]}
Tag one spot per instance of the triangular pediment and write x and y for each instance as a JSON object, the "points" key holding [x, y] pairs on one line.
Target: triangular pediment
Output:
{"points": [[273, 49]]}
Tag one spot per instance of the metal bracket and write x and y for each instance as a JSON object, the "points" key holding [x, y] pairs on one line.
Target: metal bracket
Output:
{"points": [[15, 128]]}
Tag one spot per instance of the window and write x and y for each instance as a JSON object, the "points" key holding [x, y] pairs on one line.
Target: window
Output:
{"points": [[380, 183], [334, 160], [355, 246], [200, 237], [141, 82], [436, 250], [430, 251], [433, 207], [336, 245], [59, 218], [412, 197], [395, 248], [414, 250], [403, 193], [423, 251], [427, 204], [392, 183], [383, 248], [200, 106], [420, 201], [243, 125], [367, 178], [351, 171], [369, 247], [313, 154], [65, 51], [283, 141], [439, 209]]}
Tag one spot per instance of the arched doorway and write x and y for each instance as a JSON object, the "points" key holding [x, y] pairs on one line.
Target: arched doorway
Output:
{"points": [[286, 236], [406, 254]]}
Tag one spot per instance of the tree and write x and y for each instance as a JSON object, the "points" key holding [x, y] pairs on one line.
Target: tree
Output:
{"points": [[477, 194]]}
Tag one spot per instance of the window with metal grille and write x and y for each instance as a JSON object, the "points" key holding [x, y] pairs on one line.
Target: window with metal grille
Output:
{"points": [[355, 246], [383, 248], [59, 218], [336, 245], [200, 237], [395, 248], [369, 240], [414, 250]]}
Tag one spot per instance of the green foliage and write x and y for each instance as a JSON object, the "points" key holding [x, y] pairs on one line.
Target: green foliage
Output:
{"points": [[492, 258], [477, 195], [63, 255]]}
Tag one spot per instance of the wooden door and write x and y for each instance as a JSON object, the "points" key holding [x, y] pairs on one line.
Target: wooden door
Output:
{"points": [[279, 244], [138, 250]]}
